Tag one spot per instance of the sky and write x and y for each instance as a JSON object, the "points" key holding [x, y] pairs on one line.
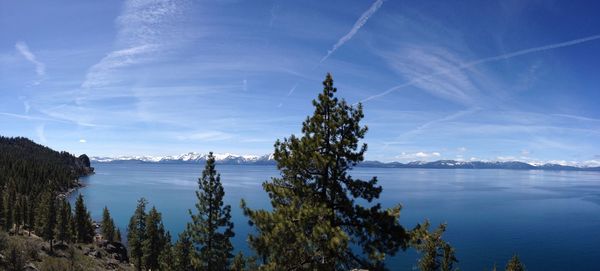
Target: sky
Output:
{"points": [[462, 80]]}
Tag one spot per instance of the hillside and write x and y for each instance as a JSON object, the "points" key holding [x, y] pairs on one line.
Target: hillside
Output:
{"points": [[30, 167]]}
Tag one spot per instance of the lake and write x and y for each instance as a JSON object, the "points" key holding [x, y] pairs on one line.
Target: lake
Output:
{"points": [[550, 218]]}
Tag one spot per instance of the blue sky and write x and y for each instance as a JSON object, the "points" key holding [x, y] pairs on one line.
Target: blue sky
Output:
{"points": [[492, 80]]}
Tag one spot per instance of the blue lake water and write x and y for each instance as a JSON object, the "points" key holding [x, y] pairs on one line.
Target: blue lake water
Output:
{"points": [[550, 218]]}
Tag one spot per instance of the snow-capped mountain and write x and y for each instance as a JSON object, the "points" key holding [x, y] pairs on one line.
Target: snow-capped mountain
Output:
{"points": [[267, 159], [191, 157]]}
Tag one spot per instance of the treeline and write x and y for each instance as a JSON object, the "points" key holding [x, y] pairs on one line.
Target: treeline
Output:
{"points": [[314, 222], [31, 173], [32, 177], [34, 180]]}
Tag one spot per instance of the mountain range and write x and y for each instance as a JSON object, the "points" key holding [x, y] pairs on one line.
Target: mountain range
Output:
{"points": [[233, 159]]}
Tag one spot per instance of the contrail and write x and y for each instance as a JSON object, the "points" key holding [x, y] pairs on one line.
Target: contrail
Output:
{"points": [[486, 60], [357, 25]]}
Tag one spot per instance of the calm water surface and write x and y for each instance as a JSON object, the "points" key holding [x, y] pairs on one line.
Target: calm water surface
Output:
{"points": [[551, 218]]}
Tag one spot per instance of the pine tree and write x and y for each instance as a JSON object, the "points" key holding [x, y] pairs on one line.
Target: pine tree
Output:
{"points": [[136, 234], [436, 254], [182, 252], [9, 208], [18, 214], [84, 230], [155, 239], [315, 220], [118, 235], [47, 217], [2, 211], [515, 264], [108, 226], [211, 228], [63, 231], [166, 258]]}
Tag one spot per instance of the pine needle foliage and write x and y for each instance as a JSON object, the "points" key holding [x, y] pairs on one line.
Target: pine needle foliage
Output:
{"points": [[211, 227], [315, 217]]}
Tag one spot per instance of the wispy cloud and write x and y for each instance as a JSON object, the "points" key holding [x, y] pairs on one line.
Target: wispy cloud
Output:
{"points": [[428, 124], [357, 25], [40, 68], [206, 136], [142, 27], [418, 155], [39, 131], [467, 65], [420, 61], [82, 141]]}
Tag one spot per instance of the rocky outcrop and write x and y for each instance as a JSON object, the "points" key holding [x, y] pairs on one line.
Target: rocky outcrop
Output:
{"points": [[114, 250]]}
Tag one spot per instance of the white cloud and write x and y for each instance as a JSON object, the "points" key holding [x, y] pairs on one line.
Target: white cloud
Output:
{"points": [[418, 155], [143, 32], [462, 149], [26, 106], [82, 141], [424, 78], [40, 68], [39, 131], [206, 136]]}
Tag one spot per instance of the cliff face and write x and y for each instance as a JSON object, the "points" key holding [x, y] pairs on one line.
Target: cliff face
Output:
{"points": [[83, 165]]}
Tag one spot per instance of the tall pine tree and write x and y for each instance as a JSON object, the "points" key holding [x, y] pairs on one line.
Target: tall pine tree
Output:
{"points": [[136, 234], [182, 252], [211, 227], [46, 216], [315, 219], [2, 211], [108, 226], [63, 231], [84, 230], [155, 240]]}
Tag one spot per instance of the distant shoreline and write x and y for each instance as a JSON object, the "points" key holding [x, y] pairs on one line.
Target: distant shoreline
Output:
{"points": [[441, 164]]}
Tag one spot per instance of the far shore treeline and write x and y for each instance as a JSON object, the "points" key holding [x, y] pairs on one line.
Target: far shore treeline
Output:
{"points": [[314, 222]]}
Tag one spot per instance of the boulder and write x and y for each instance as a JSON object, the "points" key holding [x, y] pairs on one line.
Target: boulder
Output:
{"points": [[117, 251]]}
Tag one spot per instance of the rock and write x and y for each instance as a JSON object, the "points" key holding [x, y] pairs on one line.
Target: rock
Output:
{"points": [[112, 264], [31, 267], [117, 251], [96, 254]]}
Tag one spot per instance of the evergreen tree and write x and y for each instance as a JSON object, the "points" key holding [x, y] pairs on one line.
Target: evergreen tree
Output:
{"points": [[18, 214], [47, 217], [515, 264], [9, 208], [108, 226], [211, 228], [84, 230], [155, 239], [166, 258], [2, 211], [436, 254], [63, 231], [30, 214], [182, 253], [118, 235], [136, 234], [315, 219]]}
